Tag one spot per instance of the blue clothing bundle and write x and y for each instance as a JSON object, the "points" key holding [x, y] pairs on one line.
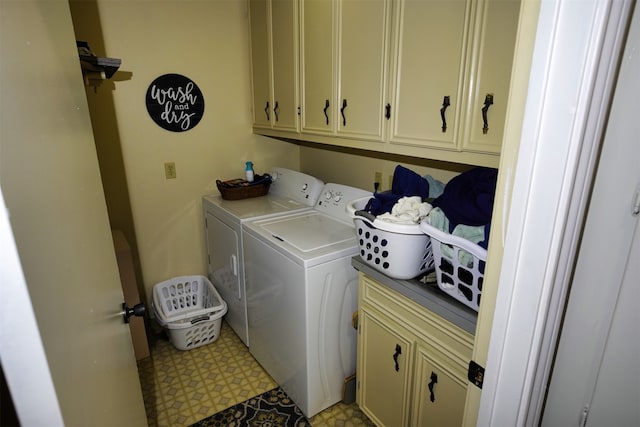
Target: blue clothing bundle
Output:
{"points": [[468, 199], [405, 183]]}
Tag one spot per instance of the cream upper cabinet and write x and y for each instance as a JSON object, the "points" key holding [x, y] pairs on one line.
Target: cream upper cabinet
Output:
{"points": [[274, 54], [344, 67], [363, 51], [412, 364], [451, 72], [284, 36], [318, 65], [428, 71], [424, 78], [492, 56], [260, 64]]}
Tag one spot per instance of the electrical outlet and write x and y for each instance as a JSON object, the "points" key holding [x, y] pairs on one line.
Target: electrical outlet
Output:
{"points": [[378, 180], [170, 170]]}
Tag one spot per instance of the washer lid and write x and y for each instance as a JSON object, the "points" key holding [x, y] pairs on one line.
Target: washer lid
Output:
{"points": [[309, 231]]}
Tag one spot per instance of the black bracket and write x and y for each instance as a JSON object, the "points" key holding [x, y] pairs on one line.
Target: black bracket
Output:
{"points": [[446, 102], [488, 101], [324, 110], [395, 356], [431, 385], [476, 374]]}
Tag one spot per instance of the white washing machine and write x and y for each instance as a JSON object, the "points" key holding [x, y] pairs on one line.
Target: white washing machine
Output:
{"points": [[290, 191], [301, 294]]}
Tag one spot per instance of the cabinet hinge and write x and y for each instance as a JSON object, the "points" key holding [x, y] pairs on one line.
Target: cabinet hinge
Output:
{"points": [[476, 374]]}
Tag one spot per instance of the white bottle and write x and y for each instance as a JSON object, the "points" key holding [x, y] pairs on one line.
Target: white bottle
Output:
{"points": [[249, 171]]}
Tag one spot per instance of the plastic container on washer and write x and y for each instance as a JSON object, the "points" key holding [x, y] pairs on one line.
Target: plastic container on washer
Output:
{"points": [[249, 171]]}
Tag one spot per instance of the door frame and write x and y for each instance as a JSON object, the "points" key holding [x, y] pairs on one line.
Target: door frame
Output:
{"points": [[576, 56]]}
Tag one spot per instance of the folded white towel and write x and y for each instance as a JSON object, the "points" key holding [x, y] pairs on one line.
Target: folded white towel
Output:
{"points": [[407, 210]]}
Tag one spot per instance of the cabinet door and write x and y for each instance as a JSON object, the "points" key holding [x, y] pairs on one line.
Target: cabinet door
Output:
{"points": [[260, 67], [440, 390], [494, 43], [429, 49], [363, 50], [318, 66], [384, 370], [284, 36]]}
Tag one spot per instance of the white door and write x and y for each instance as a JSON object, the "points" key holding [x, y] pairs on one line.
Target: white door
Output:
{"points": [[567, 108], [617, 391], [55, 203], [596, 379]]}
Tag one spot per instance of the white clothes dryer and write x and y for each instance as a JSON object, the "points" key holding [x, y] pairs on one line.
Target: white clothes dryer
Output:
{"points": [[290, 191], [301, 295]]}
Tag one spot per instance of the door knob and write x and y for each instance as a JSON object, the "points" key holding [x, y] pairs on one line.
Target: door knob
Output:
{"points": [[137, 310]]}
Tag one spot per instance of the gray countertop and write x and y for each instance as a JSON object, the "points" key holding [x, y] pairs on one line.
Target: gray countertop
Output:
{"points": [[428, 296]]}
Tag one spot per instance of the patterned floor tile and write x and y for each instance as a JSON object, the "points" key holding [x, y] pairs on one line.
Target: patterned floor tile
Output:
{"points": [[183, 387]]}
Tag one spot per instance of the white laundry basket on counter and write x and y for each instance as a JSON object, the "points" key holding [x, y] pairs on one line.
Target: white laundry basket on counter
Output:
{"points": [[190, 309], [401, 251], [459, 265]]}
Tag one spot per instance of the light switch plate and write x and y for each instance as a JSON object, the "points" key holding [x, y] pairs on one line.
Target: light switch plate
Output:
{"points": [[170, 170]]}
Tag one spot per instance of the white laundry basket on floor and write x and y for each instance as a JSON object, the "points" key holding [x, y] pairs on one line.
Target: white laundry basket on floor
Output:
{"points": [[190, 309]]}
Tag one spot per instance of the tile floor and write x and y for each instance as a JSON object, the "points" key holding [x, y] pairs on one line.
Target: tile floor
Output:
{"points": [[183, 387]]}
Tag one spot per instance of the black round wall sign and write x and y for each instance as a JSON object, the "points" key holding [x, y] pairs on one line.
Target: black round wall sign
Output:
{"points": [[175, 102]]}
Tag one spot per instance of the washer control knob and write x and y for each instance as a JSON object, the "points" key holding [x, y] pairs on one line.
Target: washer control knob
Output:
{"points": [[337, 198], [305, 187], [328, 195]]}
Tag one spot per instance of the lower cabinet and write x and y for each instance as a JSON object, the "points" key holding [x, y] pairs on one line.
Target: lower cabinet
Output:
{"points": [[412, 364], [439, 391]]}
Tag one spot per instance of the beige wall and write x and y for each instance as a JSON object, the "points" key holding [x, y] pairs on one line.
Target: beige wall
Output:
{"points": [[208, 42], [358, 170]]}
